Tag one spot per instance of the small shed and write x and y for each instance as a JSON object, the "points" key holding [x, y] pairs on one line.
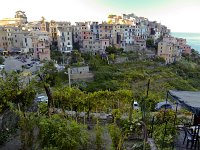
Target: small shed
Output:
{"points": [[80, 70]]}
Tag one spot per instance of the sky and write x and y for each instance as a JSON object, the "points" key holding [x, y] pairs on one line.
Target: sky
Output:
{"points": [[177, 15]]}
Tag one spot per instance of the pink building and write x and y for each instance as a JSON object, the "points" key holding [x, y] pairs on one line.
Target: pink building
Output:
{"points": [[181, 41], [41, 49], [186, 49]]}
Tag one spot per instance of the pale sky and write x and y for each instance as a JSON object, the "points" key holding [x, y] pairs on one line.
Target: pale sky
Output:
{"points": [[178, 15]]}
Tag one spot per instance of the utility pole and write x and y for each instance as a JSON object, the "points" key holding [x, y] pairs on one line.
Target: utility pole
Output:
{"points": [[69, 76]]}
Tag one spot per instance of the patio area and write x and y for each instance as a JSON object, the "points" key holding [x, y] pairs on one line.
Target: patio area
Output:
{"points": [[178, 143], [188, 134]]}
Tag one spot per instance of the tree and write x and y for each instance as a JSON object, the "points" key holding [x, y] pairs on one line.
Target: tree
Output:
{"points": [[17, 95], [57, 56], [15, 90], [1, 60], [76, 45], [150, 43], [47, 78], [69, 98], [111, 50], [76, 57]]}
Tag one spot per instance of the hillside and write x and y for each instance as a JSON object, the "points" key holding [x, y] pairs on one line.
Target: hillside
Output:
{"points": [[134, 75]]}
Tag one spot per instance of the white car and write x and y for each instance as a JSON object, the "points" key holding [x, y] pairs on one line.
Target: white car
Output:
{"points": [[42, 99], [2, 67], [135, 105]]}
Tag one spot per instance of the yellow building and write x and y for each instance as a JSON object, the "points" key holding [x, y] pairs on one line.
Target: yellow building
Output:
{"points": [[3, 39], [20, 18], [53, 30], [169, 51]]}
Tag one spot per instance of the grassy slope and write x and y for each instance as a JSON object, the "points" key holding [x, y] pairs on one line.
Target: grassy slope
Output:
{"points": [[135, 75]]}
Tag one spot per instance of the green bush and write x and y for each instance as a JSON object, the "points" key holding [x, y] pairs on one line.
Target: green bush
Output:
{"points": [[99, 138], [116, 135], [61, 133]]}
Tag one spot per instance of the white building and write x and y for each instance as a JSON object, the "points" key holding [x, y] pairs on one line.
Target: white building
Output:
{"points": [[23, 40], [129, 35], [65, 39]]}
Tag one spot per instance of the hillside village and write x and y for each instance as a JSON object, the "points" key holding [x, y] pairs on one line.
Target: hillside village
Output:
{"points": [[128, 32], [95, 86]]}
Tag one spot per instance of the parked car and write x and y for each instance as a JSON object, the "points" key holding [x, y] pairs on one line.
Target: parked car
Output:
{"points": [[42, 98], [135, 105], [163, 105], [30, 65], [2, 67]]}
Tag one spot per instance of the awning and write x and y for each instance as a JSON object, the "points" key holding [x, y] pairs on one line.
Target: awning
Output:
{"points": [[188, 99]]}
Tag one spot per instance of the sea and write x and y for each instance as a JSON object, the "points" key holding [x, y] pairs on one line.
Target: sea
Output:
{"points": [[193, 39]]}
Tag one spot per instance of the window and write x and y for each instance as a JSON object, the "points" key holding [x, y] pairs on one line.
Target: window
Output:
{"points": [[67, 38], [160, 47]]}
